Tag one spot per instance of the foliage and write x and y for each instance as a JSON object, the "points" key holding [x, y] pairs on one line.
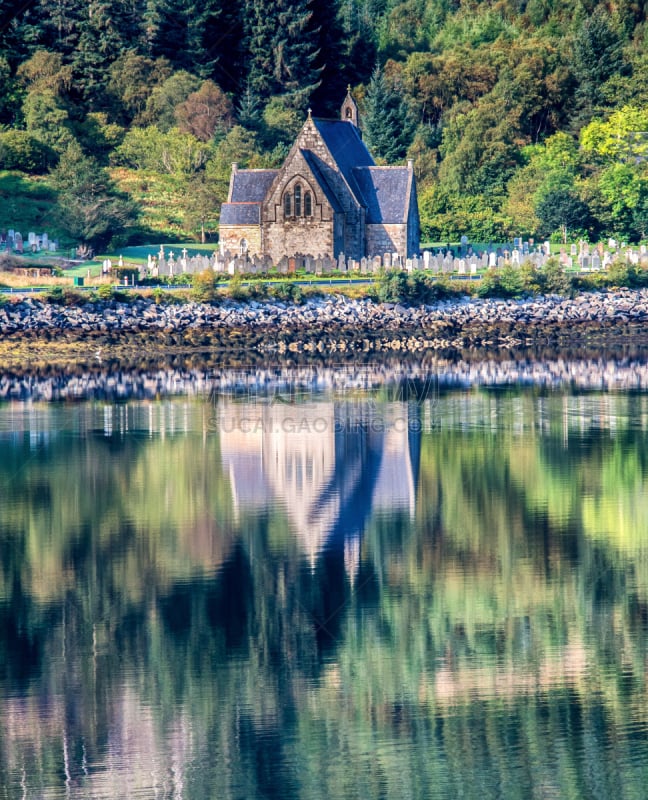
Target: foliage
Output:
{"points": [[396, 286], [89, 209], [204, 286], [20, 150]]}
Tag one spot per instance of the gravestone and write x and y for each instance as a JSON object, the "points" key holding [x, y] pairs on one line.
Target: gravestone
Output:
{"points": [[515, 257], [52, 246], [292, 265], [501, 262], [387, 260], [573, 250], [473, 268], [596, 261], [427, 256], [461, 266], [377, 263], [396, 261], [434, 264], [319, 265], [363, 266], [282, 266], [327, 266], [18, 242], [309, 265], [492, 259], [341, 264]]}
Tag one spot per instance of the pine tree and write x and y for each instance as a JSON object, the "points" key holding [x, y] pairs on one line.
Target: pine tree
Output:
{"points": [[283, 51], [386, 126]]}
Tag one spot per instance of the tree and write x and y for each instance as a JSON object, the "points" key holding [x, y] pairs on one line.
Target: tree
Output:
{"points": [[283, 51], [386, 123], [89, 207], [166, 97], [202, 204], [562, 210], [597, 55], [205, 112], [132, 79]]}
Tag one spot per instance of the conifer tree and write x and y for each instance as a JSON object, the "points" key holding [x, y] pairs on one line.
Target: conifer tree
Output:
{"points": [[386, 126], [283, 51]]}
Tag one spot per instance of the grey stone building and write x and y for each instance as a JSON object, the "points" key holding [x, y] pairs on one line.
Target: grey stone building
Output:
{"points": [[328, 198]]}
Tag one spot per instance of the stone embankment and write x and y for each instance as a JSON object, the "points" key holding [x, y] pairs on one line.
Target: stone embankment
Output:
{"points": [[330, 324]]}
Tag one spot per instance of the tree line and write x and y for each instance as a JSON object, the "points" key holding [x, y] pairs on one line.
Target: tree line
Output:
{"points": [[522, 117]]}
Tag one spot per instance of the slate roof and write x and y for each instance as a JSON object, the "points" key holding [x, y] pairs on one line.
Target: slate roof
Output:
{"points": [[347, 148], [240, 214], [385, 193], [252, 185], [315, 166]]}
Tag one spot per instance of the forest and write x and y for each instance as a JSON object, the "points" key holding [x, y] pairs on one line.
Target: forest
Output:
{"points": [[119, 119]]}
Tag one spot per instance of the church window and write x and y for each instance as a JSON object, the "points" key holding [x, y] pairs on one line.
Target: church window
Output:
{"points": [[243, 247], [287, 205], [298, 200], [308, 204]]}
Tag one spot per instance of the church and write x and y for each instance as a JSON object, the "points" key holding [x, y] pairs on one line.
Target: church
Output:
{"points": [[329, 198]]}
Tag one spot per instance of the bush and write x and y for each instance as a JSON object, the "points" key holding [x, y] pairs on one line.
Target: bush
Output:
{"points": [[288, 292], [236, 289], [204, 286], [556, 280], [19, 150], [396, 286]]}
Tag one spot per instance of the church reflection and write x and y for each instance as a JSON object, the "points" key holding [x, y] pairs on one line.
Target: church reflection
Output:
{"points": [[330, 465]]}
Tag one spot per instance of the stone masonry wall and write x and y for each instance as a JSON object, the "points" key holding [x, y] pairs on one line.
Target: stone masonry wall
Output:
{"points": [[386, 239], [231, 235]]}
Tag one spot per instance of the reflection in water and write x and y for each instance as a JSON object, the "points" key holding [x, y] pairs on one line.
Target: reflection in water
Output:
{"points": [[328, 464], [340, 597]]}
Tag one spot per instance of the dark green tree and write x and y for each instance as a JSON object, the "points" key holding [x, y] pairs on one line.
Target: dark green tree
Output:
{"points": [[89, 207], [386, 124], [283, 51], [563, 211], [597, 56]]}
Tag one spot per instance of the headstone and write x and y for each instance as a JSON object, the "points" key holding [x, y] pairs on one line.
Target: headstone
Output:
{"points": [[363, 266], [18, 242], [45, 241], [52, 246], [396, 260], [547, 247], [473, 267], [387, 260], [283, 265], [585, 263], [309, 265], [515, 257], [377, 263], [461, 266], [573, 250], [596, 261], [607, 259], [319, 265], [492, 260], [501, 261], [341, 265], [292, 266], [426, 259], [612, 244], [31, 238], [327, 266]]}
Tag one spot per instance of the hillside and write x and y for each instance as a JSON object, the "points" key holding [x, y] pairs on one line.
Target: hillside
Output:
{"points": [[523, 117]]}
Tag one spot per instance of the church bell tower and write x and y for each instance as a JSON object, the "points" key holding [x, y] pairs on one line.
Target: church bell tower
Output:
{"points": [[349, 110]]}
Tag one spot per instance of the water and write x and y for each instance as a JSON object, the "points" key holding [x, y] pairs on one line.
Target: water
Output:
{"points": [[325, 588]]}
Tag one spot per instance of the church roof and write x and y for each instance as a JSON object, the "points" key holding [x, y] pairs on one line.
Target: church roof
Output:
{"points": [[251, 185], [345, 144], [385, 191], [240, 214], [314, 164]]}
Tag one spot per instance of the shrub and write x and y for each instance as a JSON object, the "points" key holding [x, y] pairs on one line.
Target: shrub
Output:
{"points": [[21, 151], [287, 292], [556, 280], [204, 286], [236, 289]]}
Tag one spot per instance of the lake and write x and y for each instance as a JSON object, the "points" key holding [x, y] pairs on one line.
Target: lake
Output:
{"points": [[354, 582]]}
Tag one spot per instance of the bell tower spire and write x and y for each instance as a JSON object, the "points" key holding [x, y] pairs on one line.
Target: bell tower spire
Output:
{"points": [[349, 110]]}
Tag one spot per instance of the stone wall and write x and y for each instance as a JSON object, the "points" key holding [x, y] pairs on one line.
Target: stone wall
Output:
{"points": [[386, 239], [231, 235]]}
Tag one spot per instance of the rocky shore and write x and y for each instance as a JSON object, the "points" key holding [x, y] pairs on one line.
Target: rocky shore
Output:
{"points": [[326, 325]]}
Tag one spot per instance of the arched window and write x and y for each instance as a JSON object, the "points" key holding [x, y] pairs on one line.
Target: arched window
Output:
{"points": [[287, 205], [298, 199], [308, 204], [243, 247]]}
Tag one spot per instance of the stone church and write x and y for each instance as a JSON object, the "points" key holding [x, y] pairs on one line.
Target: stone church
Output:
{"points": [[328, 198]]}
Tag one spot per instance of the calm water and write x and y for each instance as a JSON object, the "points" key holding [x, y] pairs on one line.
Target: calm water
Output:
{"points": [[331, 594]]}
